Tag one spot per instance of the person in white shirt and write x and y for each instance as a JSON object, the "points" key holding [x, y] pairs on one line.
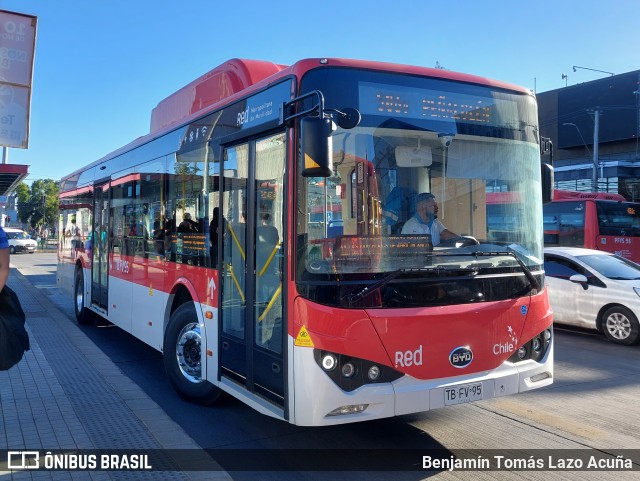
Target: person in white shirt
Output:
{"points": [[425, 220]]}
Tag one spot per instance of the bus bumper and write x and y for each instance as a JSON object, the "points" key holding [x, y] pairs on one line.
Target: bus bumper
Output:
{"points": [[318, 401]]}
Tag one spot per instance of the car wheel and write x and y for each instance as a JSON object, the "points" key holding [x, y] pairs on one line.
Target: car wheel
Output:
{"points": [[621, 326], [12, 250], [83, 315], [182, 353]]}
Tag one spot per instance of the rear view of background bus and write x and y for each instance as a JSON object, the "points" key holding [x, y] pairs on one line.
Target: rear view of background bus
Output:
{"points": [[602, 221]]}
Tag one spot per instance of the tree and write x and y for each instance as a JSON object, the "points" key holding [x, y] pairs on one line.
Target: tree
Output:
{"points": [[38, 205], [23, 193]]}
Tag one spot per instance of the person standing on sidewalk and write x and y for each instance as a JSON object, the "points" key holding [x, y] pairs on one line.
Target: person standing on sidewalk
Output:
{"points": [[4, 258], [14, 339]]}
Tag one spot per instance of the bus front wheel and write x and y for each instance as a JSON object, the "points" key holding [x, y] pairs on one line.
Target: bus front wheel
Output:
{"points": [[182, 354]]}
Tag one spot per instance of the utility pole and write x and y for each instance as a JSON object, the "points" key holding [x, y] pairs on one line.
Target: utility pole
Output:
{"points": [[596, 132]]}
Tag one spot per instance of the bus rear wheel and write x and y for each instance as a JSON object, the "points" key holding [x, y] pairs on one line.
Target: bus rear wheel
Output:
{"points": [[83, 315], [182, 354]]}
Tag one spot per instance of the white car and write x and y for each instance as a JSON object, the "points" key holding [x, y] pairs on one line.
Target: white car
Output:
{"points": [[594, 289], [20, 241]]}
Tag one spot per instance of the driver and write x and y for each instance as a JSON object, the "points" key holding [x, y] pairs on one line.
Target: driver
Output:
{"points": [[425, 220]]}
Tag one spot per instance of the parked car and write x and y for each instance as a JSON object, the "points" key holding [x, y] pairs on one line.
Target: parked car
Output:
{"points": [[594, 289], [20, 241]]}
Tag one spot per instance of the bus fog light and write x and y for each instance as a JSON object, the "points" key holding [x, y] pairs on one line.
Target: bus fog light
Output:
{"points": [[329, 362], [348, 370], [547, 335], [536, 344], [540, 377], [374, 373], [349, 409], [522, 352]]}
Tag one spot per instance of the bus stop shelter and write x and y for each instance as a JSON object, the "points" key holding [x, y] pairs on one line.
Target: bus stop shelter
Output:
{"points": [[10, 176]]}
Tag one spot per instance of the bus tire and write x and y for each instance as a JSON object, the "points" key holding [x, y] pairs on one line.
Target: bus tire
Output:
{"points": [[83, 315], [182, 352], [621, 326]]}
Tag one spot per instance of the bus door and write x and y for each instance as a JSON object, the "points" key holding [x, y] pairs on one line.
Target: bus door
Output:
{"points": [[252, 336], [99, 246]]}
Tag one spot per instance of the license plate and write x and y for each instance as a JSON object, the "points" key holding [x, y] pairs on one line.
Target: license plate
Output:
{"points": [[463, 394]]}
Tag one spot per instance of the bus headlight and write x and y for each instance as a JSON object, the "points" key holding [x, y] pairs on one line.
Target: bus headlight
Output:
{"points": [[329, 362], [374, 373], [536, 344], [348, 369]]}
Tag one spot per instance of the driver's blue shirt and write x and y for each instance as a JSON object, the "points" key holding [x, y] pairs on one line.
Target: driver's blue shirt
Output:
{"points": [[415, 225], [4, 240]]}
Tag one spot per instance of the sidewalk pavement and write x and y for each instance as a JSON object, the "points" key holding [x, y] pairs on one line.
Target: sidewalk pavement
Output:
{"points": [[66, 394]]}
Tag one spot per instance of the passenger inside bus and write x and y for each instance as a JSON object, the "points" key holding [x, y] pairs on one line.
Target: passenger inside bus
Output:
{"points": [[187, 225]]}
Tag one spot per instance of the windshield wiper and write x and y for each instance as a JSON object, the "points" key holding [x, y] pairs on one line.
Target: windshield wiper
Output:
{"points": [[534, 284], [438, 271]]}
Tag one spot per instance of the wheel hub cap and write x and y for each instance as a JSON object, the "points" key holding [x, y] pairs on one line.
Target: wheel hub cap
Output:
{"points": [[619, 326], [188, 352]]}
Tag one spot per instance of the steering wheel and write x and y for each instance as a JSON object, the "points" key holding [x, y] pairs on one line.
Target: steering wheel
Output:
{"points": [[459, 241]]}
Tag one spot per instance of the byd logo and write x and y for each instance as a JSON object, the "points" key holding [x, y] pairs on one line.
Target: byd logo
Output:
{"points": [[461, 357]]}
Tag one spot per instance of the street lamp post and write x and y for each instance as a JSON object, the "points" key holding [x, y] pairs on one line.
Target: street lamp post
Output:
{"points": [[594, 177], [596, 131], [576, 67]]}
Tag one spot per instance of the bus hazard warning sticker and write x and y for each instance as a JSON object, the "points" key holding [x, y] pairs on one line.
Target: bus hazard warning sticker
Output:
{"points": [[303, 339]]}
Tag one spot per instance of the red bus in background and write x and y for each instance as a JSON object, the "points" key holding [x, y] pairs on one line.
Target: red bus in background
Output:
{"points": [[204, 239], [602, 221]]}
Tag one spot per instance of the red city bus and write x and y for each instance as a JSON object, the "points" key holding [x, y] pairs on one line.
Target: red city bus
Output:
{"points": [[602, 221], [202, 240]]}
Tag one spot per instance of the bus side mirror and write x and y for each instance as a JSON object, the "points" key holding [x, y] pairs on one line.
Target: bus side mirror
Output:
{"points": [[316, 146], [547, 183]]}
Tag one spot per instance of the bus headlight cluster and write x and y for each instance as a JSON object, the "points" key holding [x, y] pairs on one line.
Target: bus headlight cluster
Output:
{"points": [[349, 373], [535, 349]]}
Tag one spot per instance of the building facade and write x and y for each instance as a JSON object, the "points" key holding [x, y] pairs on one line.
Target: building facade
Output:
{"points": [[595, 127]]}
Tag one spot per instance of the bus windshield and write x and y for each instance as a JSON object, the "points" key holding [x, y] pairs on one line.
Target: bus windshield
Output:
{"points": [[420, 138], [618, 218]]}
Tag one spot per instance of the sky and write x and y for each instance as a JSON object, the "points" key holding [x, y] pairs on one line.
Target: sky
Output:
{"points": [[101, 66]]}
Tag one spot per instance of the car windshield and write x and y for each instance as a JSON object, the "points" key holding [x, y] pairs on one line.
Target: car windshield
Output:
{"points": [[612, 267], [18, 235]]}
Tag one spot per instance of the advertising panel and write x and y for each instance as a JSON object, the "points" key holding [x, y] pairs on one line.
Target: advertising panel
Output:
{"points": [[17, 48]]}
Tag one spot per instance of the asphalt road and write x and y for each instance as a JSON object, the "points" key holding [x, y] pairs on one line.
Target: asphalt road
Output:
{"points": [[593, 403]]}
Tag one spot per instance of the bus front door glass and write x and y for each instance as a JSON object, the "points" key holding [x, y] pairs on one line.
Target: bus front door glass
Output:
{"points": [[251, 308], [233, 278], [98, 242]]}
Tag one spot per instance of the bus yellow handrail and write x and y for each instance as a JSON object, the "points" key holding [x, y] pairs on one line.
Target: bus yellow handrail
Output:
{"points": [[271, 303], [266, 264]]}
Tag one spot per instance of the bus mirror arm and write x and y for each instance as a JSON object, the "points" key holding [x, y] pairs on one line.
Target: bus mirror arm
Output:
{"points": [[546, 178], [347, 118], [288, 113]]}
